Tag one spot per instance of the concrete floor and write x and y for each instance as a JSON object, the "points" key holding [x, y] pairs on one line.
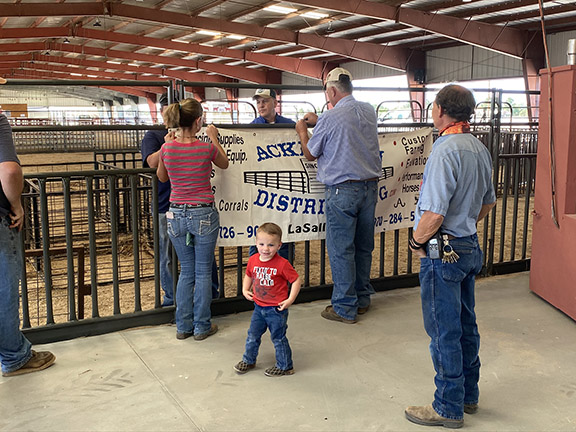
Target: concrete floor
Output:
{"points": [[348, 377]]}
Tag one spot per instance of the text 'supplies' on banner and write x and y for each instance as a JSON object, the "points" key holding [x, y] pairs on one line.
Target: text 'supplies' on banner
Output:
{"points": [[270, 180]]}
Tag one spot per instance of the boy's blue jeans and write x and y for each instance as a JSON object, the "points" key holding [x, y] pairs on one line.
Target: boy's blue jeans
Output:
{"points": [[269, 317], [447, 291]]}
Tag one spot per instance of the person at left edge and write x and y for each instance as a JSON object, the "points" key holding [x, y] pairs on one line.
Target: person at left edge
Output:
{"points": [[266, 104], [16, 355], [150, 149], [192, 220]]}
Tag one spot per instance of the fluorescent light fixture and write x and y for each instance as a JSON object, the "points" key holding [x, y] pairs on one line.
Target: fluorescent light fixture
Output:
{"points": [[207, 33], [92, 76], [75, 74], [235, 37], [112, 62], [133, 64], [280, 9], [466, 1], [314, 15], [179, 40]]}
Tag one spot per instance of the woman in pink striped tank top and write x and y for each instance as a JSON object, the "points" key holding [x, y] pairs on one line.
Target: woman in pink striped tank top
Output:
{"points": [[192, 220]]}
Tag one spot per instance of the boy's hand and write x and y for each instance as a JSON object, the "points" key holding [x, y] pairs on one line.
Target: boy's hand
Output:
{"points": [[285, 304], [248, 295]]}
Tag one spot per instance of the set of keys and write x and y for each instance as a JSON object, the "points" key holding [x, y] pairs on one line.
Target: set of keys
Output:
{"points": [[448, 254]]}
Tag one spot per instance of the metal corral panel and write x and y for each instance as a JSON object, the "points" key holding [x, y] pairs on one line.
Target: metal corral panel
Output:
{"points": [[469, 63], [558, 46]]}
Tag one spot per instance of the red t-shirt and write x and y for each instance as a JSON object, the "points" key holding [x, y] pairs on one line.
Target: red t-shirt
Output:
{"points": [[270, 279]]}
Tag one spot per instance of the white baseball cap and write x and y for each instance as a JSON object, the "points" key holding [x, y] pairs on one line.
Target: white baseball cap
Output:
{"points": [[265, 93], [334, 74]]}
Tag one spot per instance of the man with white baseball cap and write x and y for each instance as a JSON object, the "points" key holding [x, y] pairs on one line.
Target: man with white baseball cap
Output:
{"points": [[16, 355], [345, 143], [266, 104]]}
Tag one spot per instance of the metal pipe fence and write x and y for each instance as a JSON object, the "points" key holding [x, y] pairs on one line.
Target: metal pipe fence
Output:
{"points": [[102, 220]]}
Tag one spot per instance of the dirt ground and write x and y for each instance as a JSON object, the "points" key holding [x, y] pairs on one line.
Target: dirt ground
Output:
{"points": [[126, 291]]}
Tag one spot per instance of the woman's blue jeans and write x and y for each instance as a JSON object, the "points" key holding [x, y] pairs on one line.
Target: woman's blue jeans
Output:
{"points": [[14, 347], [447, 291], [193, 232], [350, 210], [269, 317]]}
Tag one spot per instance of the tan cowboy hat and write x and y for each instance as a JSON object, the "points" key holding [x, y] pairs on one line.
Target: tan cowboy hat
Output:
{"points": [[2, 80]]}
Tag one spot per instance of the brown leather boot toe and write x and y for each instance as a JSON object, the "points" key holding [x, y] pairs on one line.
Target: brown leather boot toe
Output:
{"points": [[427, 416]]}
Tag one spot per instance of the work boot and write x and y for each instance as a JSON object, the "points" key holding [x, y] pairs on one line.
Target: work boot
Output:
{"points": [[39, 361], [427, 416]]}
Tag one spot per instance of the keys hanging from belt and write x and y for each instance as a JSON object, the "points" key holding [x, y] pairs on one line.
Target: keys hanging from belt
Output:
{"points": [[448, 254]]}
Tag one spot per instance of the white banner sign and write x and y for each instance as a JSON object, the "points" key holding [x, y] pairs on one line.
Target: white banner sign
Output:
{"points": [[269, 180]]}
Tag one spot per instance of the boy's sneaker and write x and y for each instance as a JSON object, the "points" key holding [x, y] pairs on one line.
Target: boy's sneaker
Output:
{"points": [[242, 367], [275, 372]]}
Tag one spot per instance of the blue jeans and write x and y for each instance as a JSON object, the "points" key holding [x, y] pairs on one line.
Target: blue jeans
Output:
{"points": [[14, 347], [277, 321], [350, 210], [193, 232], [166, 279], [447, 291]]}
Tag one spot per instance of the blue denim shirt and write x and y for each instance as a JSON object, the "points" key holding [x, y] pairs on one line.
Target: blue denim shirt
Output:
{"points": [[345, 141], [457, 183]]}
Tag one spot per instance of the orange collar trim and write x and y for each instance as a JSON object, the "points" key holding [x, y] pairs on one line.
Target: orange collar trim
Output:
{"points": [[456, 128]]}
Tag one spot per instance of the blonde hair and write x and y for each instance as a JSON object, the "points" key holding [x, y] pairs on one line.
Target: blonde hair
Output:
{"points": [[270, 228], [183, 114]]}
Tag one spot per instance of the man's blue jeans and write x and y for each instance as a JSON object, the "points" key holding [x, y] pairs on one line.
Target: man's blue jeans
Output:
{"points": [[14, 347], [166, 280], [269, 317], [447, 291], [350, 210], [193, 232]]}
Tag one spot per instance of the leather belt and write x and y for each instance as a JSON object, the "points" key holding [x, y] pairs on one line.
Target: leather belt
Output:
{"points": [[361, 181], [185, 206]]}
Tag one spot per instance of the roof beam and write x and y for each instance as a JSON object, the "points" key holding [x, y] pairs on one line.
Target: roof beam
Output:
{"points": [[308, 68], [502, 39]]}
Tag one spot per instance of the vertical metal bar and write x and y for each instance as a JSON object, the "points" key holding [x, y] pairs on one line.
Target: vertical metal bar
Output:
{"points": [[516, 181], [135, 240], [112, 196], [382, 253], [409, 259], [69, 250], [221, 278], [504, 209], [239, 275], [46, 251], [307, 263], [92, 245], [156, 243], [527, 192], [495, 150], [322, 262], [24, 284], [396, 244]]}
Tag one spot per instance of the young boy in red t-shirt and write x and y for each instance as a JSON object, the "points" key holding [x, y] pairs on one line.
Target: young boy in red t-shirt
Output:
{"points": [[266, 283]]}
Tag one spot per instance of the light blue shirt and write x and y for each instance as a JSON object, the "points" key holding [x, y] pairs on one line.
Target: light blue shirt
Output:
{"points": [[345, 142], [457, 183]]}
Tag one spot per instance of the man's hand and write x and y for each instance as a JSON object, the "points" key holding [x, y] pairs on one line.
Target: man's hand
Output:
{"points": [[420, 253], [17, 217], [301, 127], [310, 118]]}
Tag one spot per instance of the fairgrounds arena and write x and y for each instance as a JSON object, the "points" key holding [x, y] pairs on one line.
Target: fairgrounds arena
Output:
{"points": [[90, 234]]}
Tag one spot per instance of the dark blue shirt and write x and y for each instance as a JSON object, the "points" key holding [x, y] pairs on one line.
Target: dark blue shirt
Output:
{"points": [[279, 119], [7, 154], [151, 143]]}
